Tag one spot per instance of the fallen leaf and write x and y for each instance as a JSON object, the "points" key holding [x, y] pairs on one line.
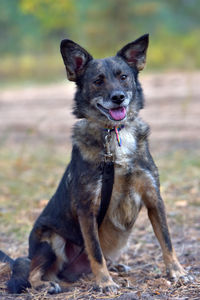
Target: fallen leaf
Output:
{"points": [[181, 203]]}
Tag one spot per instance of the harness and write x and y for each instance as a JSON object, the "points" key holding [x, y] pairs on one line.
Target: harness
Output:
{"points": [[107, 179]]}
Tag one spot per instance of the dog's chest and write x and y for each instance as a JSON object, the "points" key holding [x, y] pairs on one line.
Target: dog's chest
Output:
{"points": [[123, 210], [124, 205], [125, 202]]}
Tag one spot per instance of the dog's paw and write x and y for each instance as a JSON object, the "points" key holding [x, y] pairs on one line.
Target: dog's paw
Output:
{"points": [[18, 286], [119, 268], [54, 288], [179, 276], [50, 287], [107, 287], [185, 279], [111, 289]]}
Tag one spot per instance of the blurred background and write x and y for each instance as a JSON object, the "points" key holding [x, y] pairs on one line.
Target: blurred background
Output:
{"points": [[32, 74], [31, 31], [36, 101]]}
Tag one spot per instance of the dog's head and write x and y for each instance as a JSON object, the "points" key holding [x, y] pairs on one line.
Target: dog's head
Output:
{"points": [[108, 90]]}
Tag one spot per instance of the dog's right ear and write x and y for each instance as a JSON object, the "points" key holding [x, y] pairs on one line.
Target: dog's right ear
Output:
{"points": [[75, 58]]}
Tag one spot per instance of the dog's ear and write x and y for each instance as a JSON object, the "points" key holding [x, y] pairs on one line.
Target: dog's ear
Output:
{"points": [[134, 53], [75, 58]]}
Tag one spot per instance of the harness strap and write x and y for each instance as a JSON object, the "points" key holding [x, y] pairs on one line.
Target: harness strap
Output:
{"points": [[106, 190]]}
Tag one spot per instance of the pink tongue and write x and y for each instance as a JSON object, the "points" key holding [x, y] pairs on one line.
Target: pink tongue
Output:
{"points": [[118, 113]]}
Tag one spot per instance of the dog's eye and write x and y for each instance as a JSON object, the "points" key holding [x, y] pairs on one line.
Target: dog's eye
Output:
{"points": [[98, 81], [123, 77]]}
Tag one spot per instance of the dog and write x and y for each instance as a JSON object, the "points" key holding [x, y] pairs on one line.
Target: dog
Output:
{"points": [[111, 175]]}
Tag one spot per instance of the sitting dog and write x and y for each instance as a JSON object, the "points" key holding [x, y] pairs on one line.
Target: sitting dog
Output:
{"points": [[111, 175]]}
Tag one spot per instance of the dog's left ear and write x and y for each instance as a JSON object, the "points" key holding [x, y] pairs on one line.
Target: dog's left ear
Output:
{"points": [[75, 58], [134, 53]]}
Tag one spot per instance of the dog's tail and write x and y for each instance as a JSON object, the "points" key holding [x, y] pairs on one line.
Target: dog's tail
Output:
{"points": [[20, 273], [6, 259]]}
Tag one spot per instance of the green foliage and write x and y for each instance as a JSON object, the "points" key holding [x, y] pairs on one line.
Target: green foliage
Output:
{"points": [[18, 32], [53, 15], [34, 28]]}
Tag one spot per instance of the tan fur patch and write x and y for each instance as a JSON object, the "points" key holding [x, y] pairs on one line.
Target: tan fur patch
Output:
{"points": [[117, 226], [58, 246]]}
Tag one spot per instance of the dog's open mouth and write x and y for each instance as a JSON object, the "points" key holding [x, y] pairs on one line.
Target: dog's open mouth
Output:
{"points": [[116, 114]]}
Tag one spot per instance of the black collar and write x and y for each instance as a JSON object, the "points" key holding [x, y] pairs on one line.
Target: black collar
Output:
{"points": [[114, 128]]}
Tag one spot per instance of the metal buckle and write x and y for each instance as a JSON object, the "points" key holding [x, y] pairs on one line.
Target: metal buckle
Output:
{"points": [[108, 156]]}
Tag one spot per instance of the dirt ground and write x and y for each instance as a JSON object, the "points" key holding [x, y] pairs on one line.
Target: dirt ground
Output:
{"points": [[42, 115]]}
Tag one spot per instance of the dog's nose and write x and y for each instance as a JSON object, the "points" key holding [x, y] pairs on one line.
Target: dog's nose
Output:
{"points": [[117, 97]]}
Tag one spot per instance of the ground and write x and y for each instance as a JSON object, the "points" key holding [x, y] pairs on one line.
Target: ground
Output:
{"points": [[35, 147]]}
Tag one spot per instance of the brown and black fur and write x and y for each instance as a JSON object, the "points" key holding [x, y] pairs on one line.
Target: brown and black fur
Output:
{"points": [[66, 240]]}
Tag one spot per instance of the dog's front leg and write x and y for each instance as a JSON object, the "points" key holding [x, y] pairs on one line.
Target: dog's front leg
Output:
{"points": [[89, 230], [87, 178], [157, 216]]}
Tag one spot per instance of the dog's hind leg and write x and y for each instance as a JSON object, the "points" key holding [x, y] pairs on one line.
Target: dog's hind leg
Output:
{"points": [[44, 269]]}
